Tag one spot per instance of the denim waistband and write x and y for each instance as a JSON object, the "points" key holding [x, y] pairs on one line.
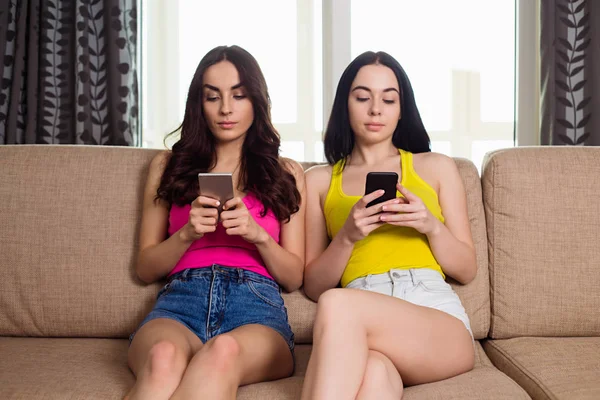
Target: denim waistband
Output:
{"points": [[232, 273], [399, 275]]}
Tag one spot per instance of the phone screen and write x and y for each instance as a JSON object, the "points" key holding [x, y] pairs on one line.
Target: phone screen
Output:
{"points": [[381, 180], [218, 186]]}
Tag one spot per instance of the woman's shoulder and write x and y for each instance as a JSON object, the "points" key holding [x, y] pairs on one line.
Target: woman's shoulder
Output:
{"points": [[319, 172], [292, 166], [435, 162], [319, 177], [432, 157], [159, 161], [435, 168], [158, 164]]}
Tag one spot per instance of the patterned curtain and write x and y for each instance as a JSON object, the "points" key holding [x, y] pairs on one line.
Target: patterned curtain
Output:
{"points": [[570, 72], [68, 72]]}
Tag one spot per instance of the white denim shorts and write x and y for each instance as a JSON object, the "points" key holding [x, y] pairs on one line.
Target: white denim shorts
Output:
{"points": [[424, 287]]}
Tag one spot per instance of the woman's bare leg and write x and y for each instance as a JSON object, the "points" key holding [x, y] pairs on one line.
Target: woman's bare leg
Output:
{"points": [[158, 356], [424, 344], [381, 379], [248, 354]]}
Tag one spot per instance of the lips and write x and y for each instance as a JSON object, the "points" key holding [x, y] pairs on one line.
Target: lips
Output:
{"points": [[227, 124], [374, 126]]}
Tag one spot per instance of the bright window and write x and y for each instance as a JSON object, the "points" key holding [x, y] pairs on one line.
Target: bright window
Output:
{"points": [[459, 55]]}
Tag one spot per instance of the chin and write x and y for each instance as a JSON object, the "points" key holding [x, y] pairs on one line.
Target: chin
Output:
{"points": [[226, 137], [374, 137]]}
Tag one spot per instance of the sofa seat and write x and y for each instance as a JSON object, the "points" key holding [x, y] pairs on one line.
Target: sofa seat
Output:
{"points": [[78, 368], [483, 382], [550, 368], [70, 368]]}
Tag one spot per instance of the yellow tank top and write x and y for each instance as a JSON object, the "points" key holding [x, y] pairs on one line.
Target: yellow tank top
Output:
{"points": [[389, 246]]}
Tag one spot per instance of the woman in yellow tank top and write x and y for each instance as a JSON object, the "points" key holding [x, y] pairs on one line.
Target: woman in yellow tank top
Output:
{"points": [[405, 317]]}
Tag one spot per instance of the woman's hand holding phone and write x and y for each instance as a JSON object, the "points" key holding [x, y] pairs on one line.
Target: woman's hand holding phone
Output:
{"points": [[412, 212], [363, 220], [203, 218], [237, 220]]}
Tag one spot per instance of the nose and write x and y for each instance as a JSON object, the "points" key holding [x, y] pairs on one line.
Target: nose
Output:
{"points": [[225, 106], [374, 109]]}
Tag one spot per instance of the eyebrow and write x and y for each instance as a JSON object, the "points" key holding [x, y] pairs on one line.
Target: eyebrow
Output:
{"points": [[216, 89], [369, 90]]}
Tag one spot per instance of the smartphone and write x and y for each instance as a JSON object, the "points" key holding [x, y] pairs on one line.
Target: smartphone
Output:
{"points": [[217, 186], [381, 180]]}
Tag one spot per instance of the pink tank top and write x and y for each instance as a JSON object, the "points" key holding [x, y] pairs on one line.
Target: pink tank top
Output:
{"points": [[220, 248]]}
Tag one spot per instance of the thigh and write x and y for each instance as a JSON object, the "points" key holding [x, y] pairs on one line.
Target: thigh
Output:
{"points": [[157, 330], [264, 354], [424, 344]]}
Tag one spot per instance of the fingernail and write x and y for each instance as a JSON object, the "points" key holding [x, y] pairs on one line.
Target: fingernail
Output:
{"points": [[217, 203], [384, 208]]}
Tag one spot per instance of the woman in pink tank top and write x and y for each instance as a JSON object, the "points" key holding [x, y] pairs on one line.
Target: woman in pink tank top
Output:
{"points": [[220, 321]]}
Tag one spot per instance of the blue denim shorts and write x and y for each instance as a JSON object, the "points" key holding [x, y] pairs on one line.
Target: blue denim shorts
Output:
{"points": [[213, 300]]}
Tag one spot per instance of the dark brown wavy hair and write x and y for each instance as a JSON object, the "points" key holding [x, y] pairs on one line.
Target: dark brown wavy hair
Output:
{"points": [[262, 172]]}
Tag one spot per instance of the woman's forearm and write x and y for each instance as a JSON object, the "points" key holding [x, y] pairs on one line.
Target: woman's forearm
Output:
{"points": [[157, 261], [456, 258], [325, 271], [283, 265]]}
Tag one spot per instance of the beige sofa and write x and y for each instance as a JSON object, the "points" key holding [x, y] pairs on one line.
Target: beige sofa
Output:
{"points": [[69, 297]]}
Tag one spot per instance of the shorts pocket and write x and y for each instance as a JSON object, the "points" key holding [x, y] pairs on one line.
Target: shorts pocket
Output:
{"points": [[267, 293], [435, 286], [167, 288]]}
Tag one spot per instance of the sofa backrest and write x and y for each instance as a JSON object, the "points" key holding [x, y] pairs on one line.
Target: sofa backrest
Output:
{"points": [[70, 219], [543, 217], [68, 241]]}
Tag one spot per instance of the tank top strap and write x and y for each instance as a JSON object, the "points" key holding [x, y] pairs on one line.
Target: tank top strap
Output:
{"points": [[406, 163], [336, 175]]}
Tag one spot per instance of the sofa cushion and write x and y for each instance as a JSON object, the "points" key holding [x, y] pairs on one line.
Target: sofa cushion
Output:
{"points": [[550, 368], [39, 368], [542, 207], [483, 382]]}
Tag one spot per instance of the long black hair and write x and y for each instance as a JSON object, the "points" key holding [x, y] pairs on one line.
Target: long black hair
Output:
{"points": [[261, 171], [410, 133]]}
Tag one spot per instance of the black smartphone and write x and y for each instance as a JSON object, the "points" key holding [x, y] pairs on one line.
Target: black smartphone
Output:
{"points": [[218, 186], [381, 180]]}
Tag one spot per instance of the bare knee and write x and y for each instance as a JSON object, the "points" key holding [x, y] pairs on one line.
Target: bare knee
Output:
{"points": [[332, 306], [165, 362], [221, 353]]}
